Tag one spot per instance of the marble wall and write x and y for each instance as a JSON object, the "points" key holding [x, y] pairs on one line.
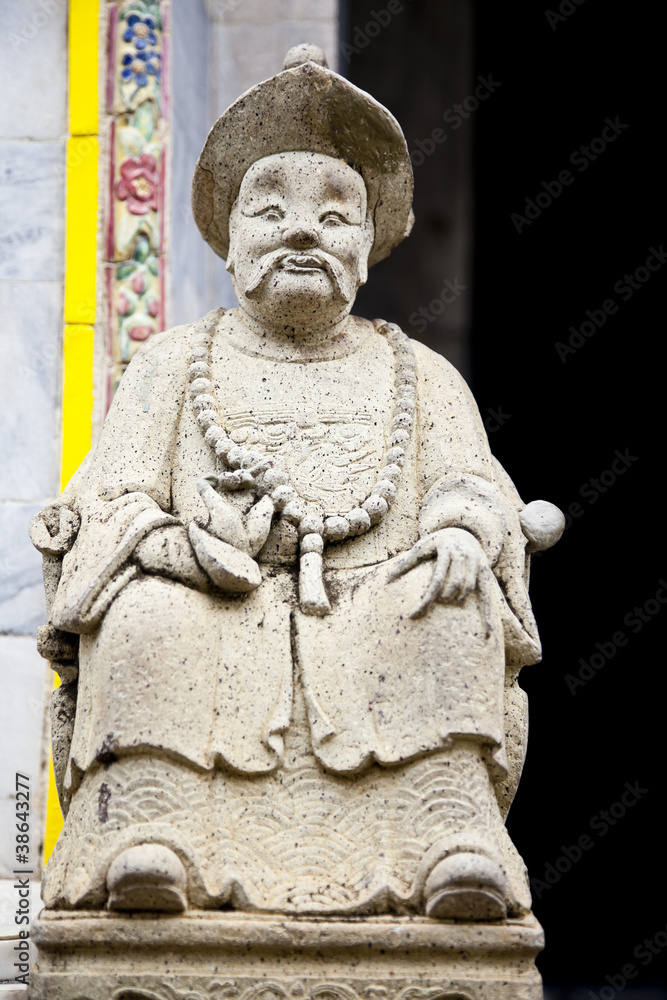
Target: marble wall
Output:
{"points": [[33, 83]]}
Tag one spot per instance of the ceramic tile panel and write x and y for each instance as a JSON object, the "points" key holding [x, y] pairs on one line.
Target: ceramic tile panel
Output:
{"points": [[137, 101]]}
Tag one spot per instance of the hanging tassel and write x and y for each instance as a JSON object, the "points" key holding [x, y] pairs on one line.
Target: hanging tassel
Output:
{"points": [[312, 595]]}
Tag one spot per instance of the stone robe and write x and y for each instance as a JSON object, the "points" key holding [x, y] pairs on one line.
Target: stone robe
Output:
{"points": [[207, 678]]}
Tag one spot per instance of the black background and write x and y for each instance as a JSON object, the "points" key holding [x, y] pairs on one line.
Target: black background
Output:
{"points": [[566, 422]]}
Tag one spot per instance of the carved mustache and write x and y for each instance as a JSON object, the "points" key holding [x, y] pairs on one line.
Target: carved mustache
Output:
{"points": [[270, 262]]}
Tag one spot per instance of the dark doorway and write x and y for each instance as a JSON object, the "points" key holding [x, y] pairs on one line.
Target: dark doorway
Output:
{"points": [[561, 239]]}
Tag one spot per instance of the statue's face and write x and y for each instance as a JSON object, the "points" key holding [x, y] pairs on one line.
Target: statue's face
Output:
{"points": [[299, 239]]}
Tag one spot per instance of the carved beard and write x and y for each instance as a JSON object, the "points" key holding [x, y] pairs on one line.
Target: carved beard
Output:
{"points": [[270, 262]]}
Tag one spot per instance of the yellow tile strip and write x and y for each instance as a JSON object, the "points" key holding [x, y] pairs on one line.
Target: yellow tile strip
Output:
{"points": [[81, 229], [77, 398], [83, 67], [54, 817], [80, 274]]}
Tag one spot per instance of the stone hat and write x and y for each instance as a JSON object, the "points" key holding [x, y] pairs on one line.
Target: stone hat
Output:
{"points": [[306, 108]]}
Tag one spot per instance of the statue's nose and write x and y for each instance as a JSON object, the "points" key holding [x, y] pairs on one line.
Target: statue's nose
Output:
{"points": [[300, 237]]}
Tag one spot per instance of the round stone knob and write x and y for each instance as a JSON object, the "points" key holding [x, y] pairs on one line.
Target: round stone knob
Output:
{"points": [[542, 523], [303, 53]]}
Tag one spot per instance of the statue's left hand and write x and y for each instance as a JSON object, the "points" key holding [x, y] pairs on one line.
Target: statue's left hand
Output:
{"points": [[461, 567]]}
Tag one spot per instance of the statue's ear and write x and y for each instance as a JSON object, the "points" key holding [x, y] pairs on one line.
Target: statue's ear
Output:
{"points": [[369, 228], [231, 253]]}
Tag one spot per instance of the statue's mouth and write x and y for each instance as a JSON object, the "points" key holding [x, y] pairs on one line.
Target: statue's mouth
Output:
{"points": [[302, 262], [299, 263]]}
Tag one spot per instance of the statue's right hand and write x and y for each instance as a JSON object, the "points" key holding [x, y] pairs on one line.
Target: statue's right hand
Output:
{"points": [[227, 567], [224, 521], [249, 533], [225, 542]]}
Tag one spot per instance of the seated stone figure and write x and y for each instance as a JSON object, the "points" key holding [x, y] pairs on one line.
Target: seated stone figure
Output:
{"points": [[298, 575]]}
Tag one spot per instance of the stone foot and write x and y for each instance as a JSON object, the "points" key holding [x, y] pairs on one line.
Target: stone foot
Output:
{"points": [[147, 877], [466, 886]]}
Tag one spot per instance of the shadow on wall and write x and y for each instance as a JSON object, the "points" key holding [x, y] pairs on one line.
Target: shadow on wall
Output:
{"points": [[416, 58]]}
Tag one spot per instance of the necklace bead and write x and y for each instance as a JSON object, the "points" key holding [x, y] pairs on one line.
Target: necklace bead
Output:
{"points": [[267, 476]]}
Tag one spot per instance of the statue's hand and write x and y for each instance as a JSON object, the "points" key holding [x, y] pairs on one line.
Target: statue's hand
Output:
{"points": [[226, 566], [223, 521], [248, 533], [166, 551], [225, 541], [461, 567]]}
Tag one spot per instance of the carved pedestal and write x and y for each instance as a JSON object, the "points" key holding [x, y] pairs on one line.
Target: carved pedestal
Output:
{"points": [[223, 956]]}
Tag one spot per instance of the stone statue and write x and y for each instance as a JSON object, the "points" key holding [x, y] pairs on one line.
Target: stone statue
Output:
{"points": [[297, 575]]}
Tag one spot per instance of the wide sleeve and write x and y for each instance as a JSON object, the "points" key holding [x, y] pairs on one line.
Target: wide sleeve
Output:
{"points": [[462, 485], [124, 492]]}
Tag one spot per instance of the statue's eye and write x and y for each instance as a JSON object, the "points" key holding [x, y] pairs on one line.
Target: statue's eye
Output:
{"points": [[272, 212], [334, 218]]}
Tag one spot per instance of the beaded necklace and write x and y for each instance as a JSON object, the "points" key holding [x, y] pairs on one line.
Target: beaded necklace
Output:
{"points": [[266, 476]]}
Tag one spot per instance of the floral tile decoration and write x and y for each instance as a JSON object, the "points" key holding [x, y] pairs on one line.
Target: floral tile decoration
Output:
{"points": [[135, 244]]}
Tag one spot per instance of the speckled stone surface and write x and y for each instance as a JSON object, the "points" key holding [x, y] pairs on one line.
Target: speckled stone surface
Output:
{"points": [[287, 594], [306, 107], [207, 956]]}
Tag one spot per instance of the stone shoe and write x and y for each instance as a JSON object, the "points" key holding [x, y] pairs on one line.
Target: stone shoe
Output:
{"points": [[147, 877], [466, 886]]}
